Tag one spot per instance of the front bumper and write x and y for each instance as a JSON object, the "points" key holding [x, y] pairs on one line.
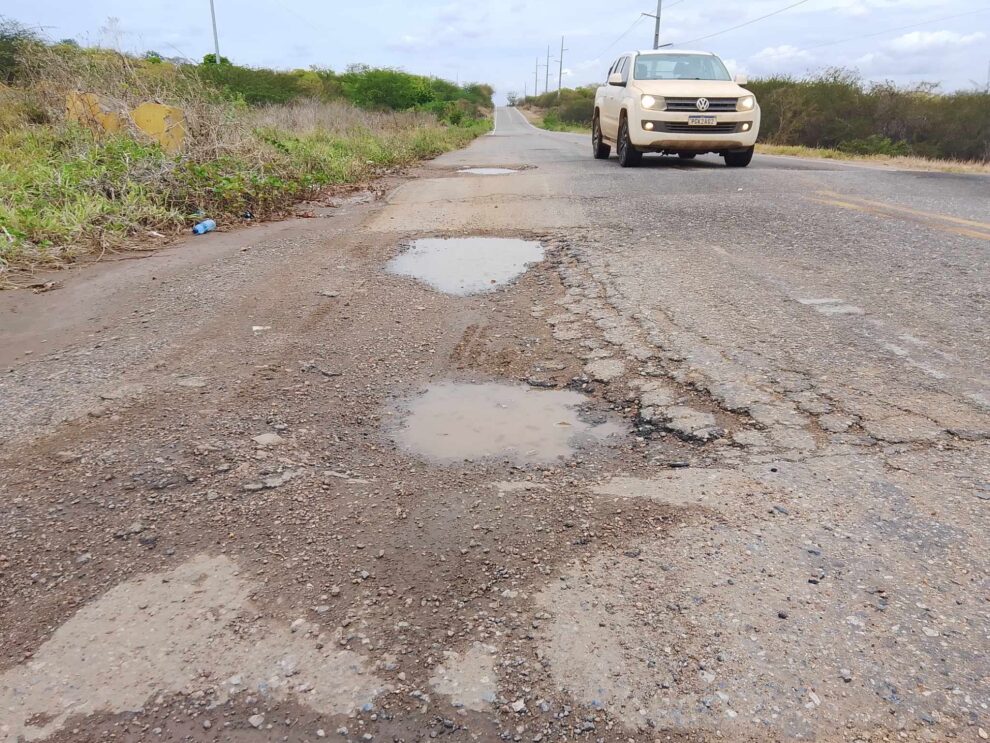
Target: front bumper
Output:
{"points": [[669, 131]]}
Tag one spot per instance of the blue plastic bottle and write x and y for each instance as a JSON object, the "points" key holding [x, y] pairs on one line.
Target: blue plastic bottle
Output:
{"points": [[207, 225]]}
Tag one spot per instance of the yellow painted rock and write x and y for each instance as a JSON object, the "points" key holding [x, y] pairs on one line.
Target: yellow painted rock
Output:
{"points": [[165, 124]]}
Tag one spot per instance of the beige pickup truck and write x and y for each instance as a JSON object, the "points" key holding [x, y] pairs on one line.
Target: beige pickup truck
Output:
{"points": [[677, 103]]}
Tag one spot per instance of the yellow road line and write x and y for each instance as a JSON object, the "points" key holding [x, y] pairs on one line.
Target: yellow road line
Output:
{"points": [[907, 210], [942, 222]]}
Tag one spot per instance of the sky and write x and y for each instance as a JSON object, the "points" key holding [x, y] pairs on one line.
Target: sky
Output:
{"points": [[906, 41]]}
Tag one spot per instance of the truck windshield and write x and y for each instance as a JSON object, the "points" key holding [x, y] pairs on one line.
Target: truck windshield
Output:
{"points": [[679, 67]]}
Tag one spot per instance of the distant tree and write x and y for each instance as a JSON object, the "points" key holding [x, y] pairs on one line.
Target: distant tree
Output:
{"points": [[211, 58], [69, 42], [153, 57]]}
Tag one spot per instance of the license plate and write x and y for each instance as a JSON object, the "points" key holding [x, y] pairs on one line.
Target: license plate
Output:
{"points": [[702, 121]]}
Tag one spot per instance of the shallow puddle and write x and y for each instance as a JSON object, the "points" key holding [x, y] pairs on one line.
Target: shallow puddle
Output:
{"points": [[466, 265], [487, 171], [453, 422]]}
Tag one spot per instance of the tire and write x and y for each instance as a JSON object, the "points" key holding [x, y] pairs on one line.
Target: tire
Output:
{"points": [[629, 156], [738, 159], [599, 147], [687, 155]]}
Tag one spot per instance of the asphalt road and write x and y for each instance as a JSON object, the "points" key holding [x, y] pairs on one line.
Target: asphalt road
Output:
{"points": [[714, 468]]}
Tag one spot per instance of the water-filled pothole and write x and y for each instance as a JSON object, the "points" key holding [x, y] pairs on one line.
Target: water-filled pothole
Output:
{"points": [[466, 265], [487, 171], [452, 422]]}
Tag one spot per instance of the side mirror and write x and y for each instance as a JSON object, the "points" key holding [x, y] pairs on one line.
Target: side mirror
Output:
{"points": [[742, 79], [616, 79]]}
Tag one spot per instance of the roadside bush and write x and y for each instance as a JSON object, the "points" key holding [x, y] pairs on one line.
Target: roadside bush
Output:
{"points": [[836, 109], [875, 145], [65, 190]]}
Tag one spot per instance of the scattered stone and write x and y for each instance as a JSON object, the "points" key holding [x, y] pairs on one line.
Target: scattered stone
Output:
{"points": [[268, 439], [519, 705], [256, 721], [68, 457]]}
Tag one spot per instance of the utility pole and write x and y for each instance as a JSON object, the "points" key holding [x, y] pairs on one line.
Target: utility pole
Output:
{"points": [[546, 85], [560, 73], [656, 27], [536, 78], [216, 39]]}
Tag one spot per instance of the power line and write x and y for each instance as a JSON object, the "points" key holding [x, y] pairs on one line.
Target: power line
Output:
{"points": [[623, 35], [899, 28], [747, 23]]}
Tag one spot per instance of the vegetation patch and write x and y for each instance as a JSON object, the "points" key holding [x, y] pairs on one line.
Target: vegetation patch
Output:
{"points": [[251, 150], [837, 111]]}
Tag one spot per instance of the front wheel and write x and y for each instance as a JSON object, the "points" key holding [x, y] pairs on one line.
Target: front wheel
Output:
{"points": [[739, 159], [629, 156], [599, 147]]}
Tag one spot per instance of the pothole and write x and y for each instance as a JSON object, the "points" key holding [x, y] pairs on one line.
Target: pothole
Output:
{"points": [[454, 422], [466, 265], [487, 171]]}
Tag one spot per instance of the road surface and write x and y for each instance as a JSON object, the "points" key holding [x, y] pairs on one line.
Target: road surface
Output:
{"points": [[702, 455]]}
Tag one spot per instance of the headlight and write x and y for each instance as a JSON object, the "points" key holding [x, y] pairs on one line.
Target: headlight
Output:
{"points": [[746, 103], [657, 103]]}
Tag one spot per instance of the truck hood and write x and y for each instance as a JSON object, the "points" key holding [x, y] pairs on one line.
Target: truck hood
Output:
{"points": [[691, 88]]}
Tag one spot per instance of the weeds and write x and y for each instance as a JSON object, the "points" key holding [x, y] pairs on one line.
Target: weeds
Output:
{"points": [[65, 191]]}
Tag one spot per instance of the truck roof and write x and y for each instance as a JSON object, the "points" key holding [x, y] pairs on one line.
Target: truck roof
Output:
{"points": [[669, 51]]}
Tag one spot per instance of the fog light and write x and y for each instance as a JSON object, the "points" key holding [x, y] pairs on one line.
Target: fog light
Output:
{"points": [[746, 126], [648, 125]]}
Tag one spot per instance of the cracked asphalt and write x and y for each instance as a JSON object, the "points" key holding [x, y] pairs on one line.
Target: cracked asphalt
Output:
{"points": [[218, 520]]}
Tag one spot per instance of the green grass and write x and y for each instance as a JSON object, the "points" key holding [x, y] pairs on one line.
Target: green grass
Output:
{"points": [[66, 192]]}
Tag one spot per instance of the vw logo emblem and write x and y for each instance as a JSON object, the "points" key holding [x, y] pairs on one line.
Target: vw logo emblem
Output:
{"points": [[702, 104]]}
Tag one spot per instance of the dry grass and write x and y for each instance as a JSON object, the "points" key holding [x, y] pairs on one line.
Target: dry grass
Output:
{"points": [[898, 162], [65, 191]]}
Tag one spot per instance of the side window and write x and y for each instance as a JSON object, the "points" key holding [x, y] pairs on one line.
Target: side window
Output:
{"points": [[611, 70], [625, 69]]}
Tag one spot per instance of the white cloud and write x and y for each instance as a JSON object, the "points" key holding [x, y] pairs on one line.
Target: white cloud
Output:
{"points": [[923, 41], [783, 54]]}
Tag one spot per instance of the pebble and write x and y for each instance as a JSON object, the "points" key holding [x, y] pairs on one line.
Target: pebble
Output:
{"points": [[268, 439], [256, 721]]}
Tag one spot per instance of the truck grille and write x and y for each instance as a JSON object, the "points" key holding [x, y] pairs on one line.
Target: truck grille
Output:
{"points": [[691, 104], [685, 128]]}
